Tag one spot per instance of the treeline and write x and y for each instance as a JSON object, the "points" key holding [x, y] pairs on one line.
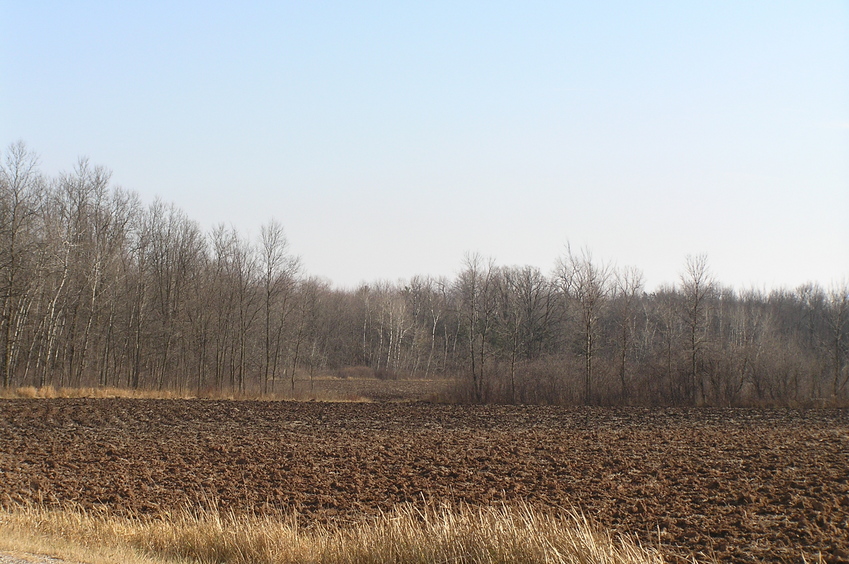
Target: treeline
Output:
{"points": [[98, 289]]}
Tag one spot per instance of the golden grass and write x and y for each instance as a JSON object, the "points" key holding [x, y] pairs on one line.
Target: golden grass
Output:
{"points": [[51, 392], [492, 535]]}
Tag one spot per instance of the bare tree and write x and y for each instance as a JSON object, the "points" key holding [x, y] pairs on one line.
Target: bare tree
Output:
{"points": [[697, 286], [174, 254], [628, 288], [669, 332], [71, 233], [222, 300], [474, 287], [98, 252], [524, 319], [20, 201], [509, 322], [245, 278], [308, 297], [279, 269], [587, 285], [430, 304], [837, 319]]}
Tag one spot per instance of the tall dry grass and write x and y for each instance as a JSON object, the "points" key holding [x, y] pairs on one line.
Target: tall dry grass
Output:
{"points": [[51, 392], [492, 535]]}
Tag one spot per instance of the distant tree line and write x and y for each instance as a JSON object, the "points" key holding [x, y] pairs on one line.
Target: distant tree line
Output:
{"points": [[98, 289]]}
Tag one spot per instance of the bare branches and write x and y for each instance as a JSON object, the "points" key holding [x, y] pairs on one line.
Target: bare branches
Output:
{"points": [[586, 284], [698, 286], [97, 289]]}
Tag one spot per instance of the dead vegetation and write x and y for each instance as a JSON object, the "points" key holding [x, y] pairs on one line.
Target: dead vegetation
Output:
{"points": [[407, 534], [347, 386]]}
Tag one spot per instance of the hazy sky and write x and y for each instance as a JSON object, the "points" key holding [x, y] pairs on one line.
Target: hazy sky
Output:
{"points": [[389, 138]]}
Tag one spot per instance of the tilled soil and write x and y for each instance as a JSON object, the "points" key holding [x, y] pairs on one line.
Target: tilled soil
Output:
{"points": [[732, 484]]}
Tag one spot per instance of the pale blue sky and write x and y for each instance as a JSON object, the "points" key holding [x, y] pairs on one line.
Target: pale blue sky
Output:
{"points": [[390, 138]]}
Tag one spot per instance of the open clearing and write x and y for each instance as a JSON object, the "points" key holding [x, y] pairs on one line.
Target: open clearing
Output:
{"points": [[735, 484]]}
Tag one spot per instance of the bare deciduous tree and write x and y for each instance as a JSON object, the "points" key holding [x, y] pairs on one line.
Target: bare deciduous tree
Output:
{"points": [[838, 326], [20, 202], [475, 289], [279, 271], [697, 285], [628, 288], [586, 285]]}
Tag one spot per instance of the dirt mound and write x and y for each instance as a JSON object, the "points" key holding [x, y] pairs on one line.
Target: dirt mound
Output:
{"points": [[736, 484]]}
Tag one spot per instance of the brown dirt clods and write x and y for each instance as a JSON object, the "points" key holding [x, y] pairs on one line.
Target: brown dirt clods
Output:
{"points": [[735, 484]]}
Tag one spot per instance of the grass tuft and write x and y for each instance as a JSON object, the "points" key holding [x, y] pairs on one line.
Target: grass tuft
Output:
{"points": [[406, 535]]}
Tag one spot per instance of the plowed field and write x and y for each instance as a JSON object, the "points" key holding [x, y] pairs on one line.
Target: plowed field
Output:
{"points": [[737, 484]]}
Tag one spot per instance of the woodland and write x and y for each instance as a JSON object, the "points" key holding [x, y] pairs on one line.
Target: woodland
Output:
{"points": [[100, 289]]}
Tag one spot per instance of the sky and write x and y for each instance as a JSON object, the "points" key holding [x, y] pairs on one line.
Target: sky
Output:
{"points": [[392, 138]]}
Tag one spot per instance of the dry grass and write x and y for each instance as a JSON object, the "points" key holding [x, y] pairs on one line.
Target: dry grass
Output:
{"points": [[347, 386], [51, 392], [463, 534]]}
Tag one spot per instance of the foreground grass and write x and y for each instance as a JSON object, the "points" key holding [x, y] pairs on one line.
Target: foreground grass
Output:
{"points": [[406, 535]]}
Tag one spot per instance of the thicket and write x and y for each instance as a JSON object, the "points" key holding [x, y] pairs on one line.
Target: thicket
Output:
{"points": [[98, 289]]}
